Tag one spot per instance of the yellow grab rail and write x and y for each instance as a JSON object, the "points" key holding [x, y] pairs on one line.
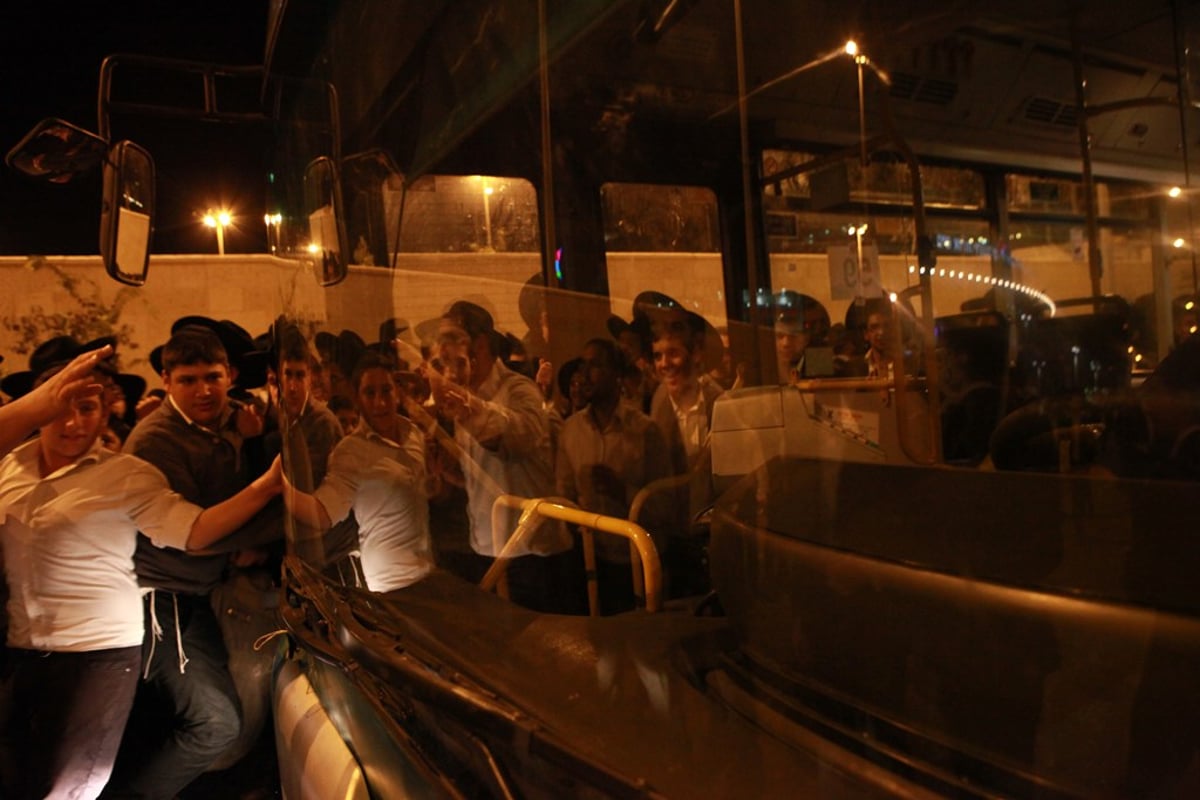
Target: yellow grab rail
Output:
{"points": [[654, 487], [534, 508]]}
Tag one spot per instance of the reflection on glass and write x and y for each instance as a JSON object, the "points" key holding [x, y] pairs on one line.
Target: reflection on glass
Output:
{"points": [[465, 214]]}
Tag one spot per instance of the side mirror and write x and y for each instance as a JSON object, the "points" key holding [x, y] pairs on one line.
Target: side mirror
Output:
{"points": [[57, 151], [326, 220], [127, 213]]}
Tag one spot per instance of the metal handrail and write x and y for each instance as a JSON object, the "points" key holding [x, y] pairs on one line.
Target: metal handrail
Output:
{"points": [[534, 508], [654, 487], [669, 483]]}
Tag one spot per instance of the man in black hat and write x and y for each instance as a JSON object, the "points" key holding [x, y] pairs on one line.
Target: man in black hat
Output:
{"points": [[504, 433], [38, 405], [196, 438]]}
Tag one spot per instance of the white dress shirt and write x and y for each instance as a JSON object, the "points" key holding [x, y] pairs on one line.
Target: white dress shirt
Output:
{"points": [[507, 440], [68, 544], [384, 482]]}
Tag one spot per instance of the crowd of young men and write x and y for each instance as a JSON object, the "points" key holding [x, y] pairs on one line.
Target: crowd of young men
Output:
{"points": [[192, 493]]}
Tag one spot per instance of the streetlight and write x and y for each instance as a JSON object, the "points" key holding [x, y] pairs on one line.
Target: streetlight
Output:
{"points": [[273, 221], [487, 215], [219, 220]]}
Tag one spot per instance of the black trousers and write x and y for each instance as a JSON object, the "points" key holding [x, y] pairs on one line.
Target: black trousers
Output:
{"points": [[203, 715], [63, 719]]}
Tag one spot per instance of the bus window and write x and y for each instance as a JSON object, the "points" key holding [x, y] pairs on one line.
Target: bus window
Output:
{"points": [[1053, 257], [664, 239]]}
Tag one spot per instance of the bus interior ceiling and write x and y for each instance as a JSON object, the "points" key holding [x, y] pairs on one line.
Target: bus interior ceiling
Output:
{"points": [[968, 79]]}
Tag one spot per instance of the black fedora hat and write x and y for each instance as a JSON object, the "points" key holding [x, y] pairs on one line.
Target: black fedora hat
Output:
{"points": [[616, 326], [397, 328], [53, 352], [132, 386], [475, 320]]}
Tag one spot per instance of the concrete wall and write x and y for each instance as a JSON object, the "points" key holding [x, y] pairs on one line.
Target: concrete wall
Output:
{"points": [[71, 293], [57, 294]]}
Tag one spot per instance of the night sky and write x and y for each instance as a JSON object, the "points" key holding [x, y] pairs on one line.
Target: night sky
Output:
{"points": [[50, 56]]}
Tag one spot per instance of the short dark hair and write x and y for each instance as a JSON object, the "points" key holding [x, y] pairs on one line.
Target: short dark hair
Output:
{"points": [[877, 305], [371, 359], [616, 358], [294, 347], [340, 403], [192, 346]]}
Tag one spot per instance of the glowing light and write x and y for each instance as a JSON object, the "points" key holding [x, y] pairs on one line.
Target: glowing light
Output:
{"points": [[219, 220], [1130, 349], [1177, 244], [1174, 191], [851, 48], [1138, 358], [892, 297], [912, 269], [1011, 285], [1189, 305], [312, 248]]}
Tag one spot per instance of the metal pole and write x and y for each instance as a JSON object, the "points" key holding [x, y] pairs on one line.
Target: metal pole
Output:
{"points": [[1095, 269], [749, 201], [1184, 103], [550, 242]]}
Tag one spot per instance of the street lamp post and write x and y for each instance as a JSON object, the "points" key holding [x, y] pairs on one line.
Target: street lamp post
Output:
{"points": [[487, 215], [219, 220], [273, 221]]}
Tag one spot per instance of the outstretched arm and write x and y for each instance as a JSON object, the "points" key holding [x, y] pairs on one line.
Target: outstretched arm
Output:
{"points": [[304, 506], [217, 522], [26, 414]]}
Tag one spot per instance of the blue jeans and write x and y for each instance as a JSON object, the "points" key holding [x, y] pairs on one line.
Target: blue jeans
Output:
{"points": [[202, 700], [65, 716]]}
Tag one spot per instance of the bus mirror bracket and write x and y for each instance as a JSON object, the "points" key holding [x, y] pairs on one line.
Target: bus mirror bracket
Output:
{"points": [[57, 151], [127, 213]]}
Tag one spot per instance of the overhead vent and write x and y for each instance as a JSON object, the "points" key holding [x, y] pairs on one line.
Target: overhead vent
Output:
{"points": [[906, 86], [1045, 111]]}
